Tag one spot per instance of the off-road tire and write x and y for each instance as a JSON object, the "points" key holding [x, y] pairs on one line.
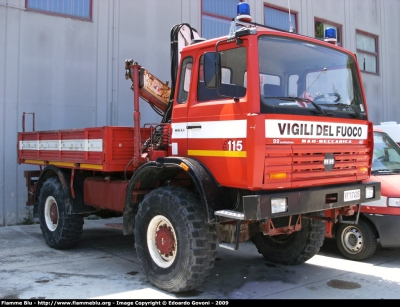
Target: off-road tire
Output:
{"points": [[356, 242], [293, 249], [193, 241], [59, 229]]}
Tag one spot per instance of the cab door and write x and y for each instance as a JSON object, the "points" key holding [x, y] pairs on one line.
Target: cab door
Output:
{"points": [[217, 118], [178, 146]]}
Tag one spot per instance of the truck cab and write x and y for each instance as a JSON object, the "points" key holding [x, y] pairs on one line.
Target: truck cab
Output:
{"points": [[280, 108]]}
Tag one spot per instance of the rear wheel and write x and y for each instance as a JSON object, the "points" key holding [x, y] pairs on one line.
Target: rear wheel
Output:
{"points": [[175, 246], [59, 229], [295, 248], [356, 242]]}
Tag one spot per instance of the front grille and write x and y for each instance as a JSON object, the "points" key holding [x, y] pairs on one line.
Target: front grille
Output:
{"points": [[304, 164]]}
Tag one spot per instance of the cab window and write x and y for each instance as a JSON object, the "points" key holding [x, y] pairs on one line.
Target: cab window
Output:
{"points": [[233, 69], [184, 83]]}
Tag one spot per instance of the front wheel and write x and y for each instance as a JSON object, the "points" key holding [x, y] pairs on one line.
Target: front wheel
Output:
{"points": [[356, 242], [295, 248], [59, 229], [174, 244]]}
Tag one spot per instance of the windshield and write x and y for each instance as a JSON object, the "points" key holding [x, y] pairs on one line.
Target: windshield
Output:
{"points": [[296, 75], [386, 157]]}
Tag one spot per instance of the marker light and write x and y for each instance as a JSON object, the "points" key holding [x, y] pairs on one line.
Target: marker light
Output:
{"points": [[363, 169], [184, 166], [277, 176], [243, 12], [330, 35]]}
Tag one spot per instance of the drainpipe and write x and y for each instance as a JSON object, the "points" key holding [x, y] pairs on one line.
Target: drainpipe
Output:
{"points": [[114, 111]]}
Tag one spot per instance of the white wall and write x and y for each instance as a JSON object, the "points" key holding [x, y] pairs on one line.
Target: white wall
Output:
{"points": [[71, 72]]}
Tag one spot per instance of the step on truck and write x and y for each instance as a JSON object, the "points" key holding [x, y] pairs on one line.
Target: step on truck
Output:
{"points": [[261, 132]]}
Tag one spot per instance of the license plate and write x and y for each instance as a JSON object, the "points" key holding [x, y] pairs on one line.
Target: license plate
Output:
{"points": [[352, 195]]}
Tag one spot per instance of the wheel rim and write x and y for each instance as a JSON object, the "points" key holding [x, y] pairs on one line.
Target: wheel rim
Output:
{"points": [[51, 213], [352, 240], [161, 241]]}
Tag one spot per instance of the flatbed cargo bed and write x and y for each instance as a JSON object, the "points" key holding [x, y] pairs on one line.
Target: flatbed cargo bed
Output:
{"points": [[108, 148]]}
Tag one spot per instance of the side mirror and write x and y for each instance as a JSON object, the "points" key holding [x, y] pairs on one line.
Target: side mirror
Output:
{"points": [[212, 69]]}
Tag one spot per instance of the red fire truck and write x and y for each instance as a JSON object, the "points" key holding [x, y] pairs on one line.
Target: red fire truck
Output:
{"points": [[261, 131]]}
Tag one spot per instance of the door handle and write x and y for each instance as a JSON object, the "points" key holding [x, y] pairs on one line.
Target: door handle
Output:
{"points": [[193, 127]]}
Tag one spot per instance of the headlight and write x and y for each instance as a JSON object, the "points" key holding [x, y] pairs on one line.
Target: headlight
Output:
{"points": [[369, 192], [394, 202], [279, 205]]}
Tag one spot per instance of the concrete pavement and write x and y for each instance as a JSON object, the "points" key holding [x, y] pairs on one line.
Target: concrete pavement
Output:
{"points": [[104, 265]]}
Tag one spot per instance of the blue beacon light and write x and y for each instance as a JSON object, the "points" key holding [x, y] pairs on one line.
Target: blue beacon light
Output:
{"points": [[243, 12], [330, 35]]}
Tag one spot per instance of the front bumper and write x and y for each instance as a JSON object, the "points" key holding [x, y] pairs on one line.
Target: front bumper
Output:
{"points": [[258, 207]]}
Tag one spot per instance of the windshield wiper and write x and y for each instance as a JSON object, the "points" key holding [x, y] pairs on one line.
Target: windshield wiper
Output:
{"points": [[290, 98], [386, 171], [358, 114]]}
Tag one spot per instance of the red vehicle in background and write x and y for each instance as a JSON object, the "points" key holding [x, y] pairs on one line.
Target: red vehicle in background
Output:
{"points": [[378, 221], [392, 129]]}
